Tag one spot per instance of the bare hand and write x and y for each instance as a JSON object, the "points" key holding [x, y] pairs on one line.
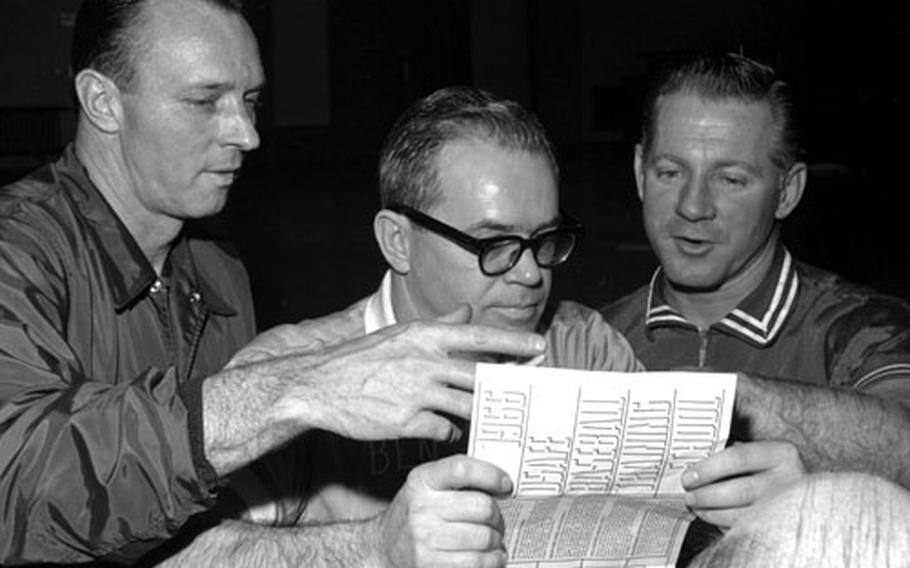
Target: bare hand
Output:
{"points": [[721, 488], [399, 382], [446, 515]]}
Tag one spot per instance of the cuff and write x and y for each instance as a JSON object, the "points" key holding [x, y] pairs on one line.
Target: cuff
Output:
{"points": [[190, 393]]}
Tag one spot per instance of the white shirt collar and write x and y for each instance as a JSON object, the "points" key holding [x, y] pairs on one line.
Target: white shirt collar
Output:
{"points": [[379, 312]]}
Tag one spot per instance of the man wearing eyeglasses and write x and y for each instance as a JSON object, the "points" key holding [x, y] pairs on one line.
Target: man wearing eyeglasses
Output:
{"points": [[470, 220]]}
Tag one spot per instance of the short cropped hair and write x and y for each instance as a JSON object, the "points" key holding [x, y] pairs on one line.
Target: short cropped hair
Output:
{"points": [[408, 165], [105, 37], [729, 76]]}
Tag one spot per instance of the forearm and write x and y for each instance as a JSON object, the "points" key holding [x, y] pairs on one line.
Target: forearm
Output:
{"points": [[250, 410], [237, 543], [399, 382], [834, 429]]}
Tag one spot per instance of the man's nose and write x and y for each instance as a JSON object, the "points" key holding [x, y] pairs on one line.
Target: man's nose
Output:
{"points": [[696, 200], [240, 127], [526, 271]]}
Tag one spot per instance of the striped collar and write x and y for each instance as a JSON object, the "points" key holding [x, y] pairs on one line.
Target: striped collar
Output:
{"points": [[758, 319]]}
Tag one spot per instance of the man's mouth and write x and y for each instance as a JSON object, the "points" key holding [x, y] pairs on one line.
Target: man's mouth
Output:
{"points": [[225, 176], [519, 311], [691, 245]]}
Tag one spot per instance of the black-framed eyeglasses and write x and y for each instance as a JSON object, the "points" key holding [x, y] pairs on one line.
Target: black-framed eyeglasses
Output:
{"points": [[497, 255]]}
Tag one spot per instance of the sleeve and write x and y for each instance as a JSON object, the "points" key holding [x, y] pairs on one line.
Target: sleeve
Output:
{"points": [[579, 338], [870, 345], [88, 469]]}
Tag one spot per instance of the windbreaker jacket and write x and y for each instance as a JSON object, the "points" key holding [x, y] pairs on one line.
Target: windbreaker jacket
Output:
{"points": [[101, 366]]}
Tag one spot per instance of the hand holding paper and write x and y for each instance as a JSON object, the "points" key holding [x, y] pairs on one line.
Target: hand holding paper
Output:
{"points": [[597, 457], [722, 487], [446, 515]]}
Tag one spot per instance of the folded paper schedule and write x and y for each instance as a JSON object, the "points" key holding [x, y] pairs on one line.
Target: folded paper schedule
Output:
{"points": [[596, 458]]}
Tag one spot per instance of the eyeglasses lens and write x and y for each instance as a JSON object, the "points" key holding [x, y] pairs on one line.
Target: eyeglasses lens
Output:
{"points": [[549, 250], [555, 248], [500, 256]]}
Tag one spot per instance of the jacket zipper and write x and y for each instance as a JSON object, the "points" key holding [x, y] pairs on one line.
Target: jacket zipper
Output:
{"points": [[702, 346]]}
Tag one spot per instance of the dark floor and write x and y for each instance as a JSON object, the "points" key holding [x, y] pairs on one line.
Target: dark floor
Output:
{"points": [[304, 229]]}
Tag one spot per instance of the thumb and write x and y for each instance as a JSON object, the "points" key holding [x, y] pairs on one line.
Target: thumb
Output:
{"points": [[463, 472], [460, 315]]}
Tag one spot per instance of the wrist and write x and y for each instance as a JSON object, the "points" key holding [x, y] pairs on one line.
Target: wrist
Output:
{"points": [[374, 553], [246, 413]]}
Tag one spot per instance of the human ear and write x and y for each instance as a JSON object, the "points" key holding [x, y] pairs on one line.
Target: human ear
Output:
{"points": [[639, 171], [99, 99], [791, 190], [392, 232]]}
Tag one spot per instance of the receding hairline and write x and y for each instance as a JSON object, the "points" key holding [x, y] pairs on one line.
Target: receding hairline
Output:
{"points": [[711, 99], [165, 25], [445, 150], [479, 137], [730, 78], [775, 122], [152, 17]]}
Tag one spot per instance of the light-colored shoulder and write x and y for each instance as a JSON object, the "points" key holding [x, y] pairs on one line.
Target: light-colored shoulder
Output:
{"points": [[335, 327], [579, 338], [307, 335]]}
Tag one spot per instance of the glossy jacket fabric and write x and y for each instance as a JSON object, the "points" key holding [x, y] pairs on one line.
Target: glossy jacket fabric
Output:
{"points": [[801, 323], [101, 365]]}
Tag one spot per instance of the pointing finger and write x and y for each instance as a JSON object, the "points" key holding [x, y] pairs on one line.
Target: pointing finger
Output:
{"points": [[461, 315]]}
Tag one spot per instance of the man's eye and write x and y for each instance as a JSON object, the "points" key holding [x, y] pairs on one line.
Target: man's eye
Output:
{"points": [[732, 181], [202, 104], [252, 105], [666, 174]]}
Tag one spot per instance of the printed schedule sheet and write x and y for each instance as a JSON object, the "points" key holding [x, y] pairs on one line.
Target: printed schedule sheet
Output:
{"points": [[596, 458]]}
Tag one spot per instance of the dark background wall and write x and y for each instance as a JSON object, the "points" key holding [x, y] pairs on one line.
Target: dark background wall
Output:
{"points": [[341, 70]]}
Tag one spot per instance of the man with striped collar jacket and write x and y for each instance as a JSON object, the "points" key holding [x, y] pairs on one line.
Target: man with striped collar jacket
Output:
{"points": [[824, 365]]}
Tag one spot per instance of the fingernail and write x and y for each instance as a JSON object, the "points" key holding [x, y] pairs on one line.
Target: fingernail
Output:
{"points": [[539, 344], [690, 499], [455, 434], [689, 477], [535, 361], [506, 484]]}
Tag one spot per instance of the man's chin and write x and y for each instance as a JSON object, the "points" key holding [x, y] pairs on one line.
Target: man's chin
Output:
{"points": [[214, 204], [690, 276], [694, 283], [512, 320], [507, 324]]}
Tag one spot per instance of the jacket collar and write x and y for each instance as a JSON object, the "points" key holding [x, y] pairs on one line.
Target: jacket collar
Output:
{"points": [[182, 264], [757, 319], [126, 268]]}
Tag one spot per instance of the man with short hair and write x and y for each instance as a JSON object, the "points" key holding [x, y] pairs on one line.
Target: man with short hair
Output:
{"points": [[470, 217], [823, 364], [120, 416]]}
